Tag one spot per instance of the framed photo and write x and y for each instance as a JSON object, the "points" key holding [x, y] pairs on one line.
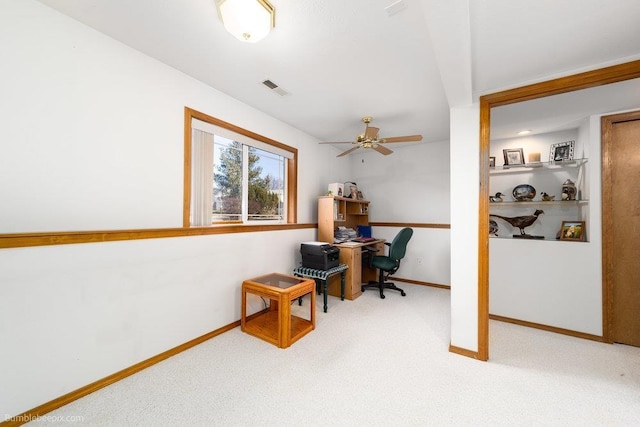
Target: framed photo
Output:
{"points": [[513, 156], [492, 162], [573, 230], [360, 195], [562, 151]]}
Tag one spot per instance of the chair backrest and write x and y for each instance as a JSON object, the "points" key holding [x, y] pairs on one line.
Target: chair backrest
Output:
{"points": [[399, 244]]}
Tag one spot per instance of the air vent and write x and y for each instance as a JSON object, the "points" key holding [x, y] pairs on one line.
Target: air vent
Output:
{"points": [[269, 84], [274, 87]]}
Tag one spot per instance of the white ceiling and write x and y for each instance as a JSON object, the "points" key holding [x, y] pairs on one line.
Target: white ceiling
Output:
{"points": [[340, 60]]}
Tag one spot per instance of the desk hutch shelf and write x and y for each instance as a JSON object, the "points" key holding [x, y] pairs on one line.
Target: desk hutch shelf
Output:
{"points": [[336, 211]]}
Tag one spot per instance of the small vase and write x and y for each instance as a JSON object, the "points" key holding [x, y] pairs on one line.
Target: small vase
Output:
{"points": [[568, 190]]}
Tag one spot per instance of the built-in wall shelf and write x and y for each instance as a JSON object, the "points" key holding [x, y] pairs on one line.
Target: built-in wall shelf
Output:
{"points": [[554, 240], [538, 203], [543, 177], [537, 167]]}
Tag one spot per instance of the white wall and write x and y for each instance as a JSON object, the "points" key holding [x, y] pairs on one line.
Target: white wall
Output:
{"points": [[551, 282], [93, 130], [412, 186], [465, 172], [73, 314], [92, 138]]}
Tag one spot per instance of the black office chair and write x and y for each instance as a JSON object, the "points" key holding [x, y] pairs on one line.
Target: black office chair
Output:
{"points": [[387, 265]]}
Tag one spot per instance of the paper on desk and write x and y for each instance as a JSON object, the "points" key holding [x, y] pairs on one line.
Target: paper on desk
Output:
{"points": [[351, 243]]}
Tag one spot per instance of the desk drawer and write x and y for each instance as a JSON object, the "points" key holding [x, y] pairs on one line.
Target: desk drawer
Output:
{"points": [[352, 281]]}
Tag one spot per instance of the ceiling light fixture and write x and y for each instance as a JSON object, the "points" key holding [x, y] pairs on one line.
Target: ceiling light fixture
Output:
{"points": [[247, 20], [524, 132]]}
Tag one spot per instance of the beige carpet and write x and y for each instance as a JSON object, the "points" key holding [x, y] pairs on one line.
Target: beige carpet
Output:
{"points": [[378, 363]]}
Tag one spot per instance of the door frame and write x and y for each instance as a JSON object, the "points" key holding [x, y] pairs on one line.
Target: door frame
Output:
{"points": [[585, 80], [607, 123]]}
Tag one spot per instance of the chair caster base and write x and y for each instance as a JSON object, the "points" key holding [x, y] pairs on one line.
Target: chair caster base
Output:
{"points": [[386, 285]]}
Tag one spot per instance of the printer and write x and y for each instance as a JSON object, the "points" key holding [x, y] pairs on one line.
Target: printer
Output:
{"points": [[319, 255]]}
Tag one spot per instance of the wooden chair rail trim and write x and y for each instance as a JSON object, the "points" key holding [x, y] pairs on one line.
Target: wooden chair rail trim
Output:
{"points": [[20, 240], [65, 399], [408, 224]]}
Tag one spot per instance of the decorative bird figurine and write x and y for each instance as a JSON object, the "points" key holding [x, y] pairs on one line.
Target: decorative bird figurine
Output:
{"points": [[493, 228], [496, 198], [546, 197], [521, 221]]}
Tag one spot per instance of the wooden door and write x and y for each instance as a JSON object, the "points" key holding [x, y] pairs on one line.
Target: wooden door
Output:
{"points": [[621, 227]]}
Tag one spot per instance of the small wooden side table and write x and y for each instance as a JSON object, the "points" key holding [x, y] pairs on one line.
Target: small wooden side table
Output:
{"points": [[276, 324]]}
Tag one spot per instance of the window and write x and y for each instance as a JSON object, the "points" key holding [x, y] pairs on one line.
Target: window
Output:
{"points": [[248, 182], [234, 176]]}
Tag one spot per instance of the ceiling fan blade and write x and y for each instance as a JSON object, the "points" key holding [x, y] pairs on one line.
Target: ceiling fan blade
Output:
{"points": [[407, 138], [382, 149], [348, 151], [338, 142], [371, 133]]}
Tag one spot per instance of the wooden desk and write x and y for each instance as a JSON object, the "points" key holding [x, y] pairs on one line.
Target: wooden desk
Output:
{"points": [[334, 212], [276, 324], [357, 274]]}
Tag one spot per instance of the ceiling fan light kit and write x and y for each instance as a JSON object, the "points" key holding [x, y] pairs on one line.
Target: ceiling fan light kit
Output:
{"points": [[247, 20], [369, 139]]}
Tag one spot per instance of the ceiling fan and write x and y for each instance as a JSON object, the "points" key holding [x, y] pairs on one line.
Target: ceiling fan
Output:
{"points": [[369, 139]]}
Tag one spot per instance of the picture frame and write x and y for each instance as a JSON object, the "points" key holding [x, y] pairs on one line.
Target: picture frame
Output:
{"points": [[562, 151], [573, 230], [360, 195], [492, 162], [513, 156]]}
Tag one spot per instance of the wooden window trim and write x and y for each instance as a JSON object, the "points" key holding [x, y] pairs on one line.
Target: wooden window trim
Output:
{"points": [[292, 164]]}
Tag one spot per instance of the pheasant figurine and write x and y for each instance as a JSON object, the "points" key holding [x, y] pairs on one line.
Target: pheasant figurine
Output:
{"points": [[521, 221]]}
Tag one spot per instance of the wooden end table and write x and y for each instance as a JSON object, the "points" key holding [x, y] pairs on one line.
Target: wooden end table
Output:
{"points": [[276, 324]]}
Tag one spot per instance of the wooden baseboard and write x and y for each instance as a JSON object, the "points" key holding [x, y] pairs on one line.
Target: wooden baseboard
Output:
{"points": [[45, 408], [417, 282], [547, 328], [464, 352]]}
